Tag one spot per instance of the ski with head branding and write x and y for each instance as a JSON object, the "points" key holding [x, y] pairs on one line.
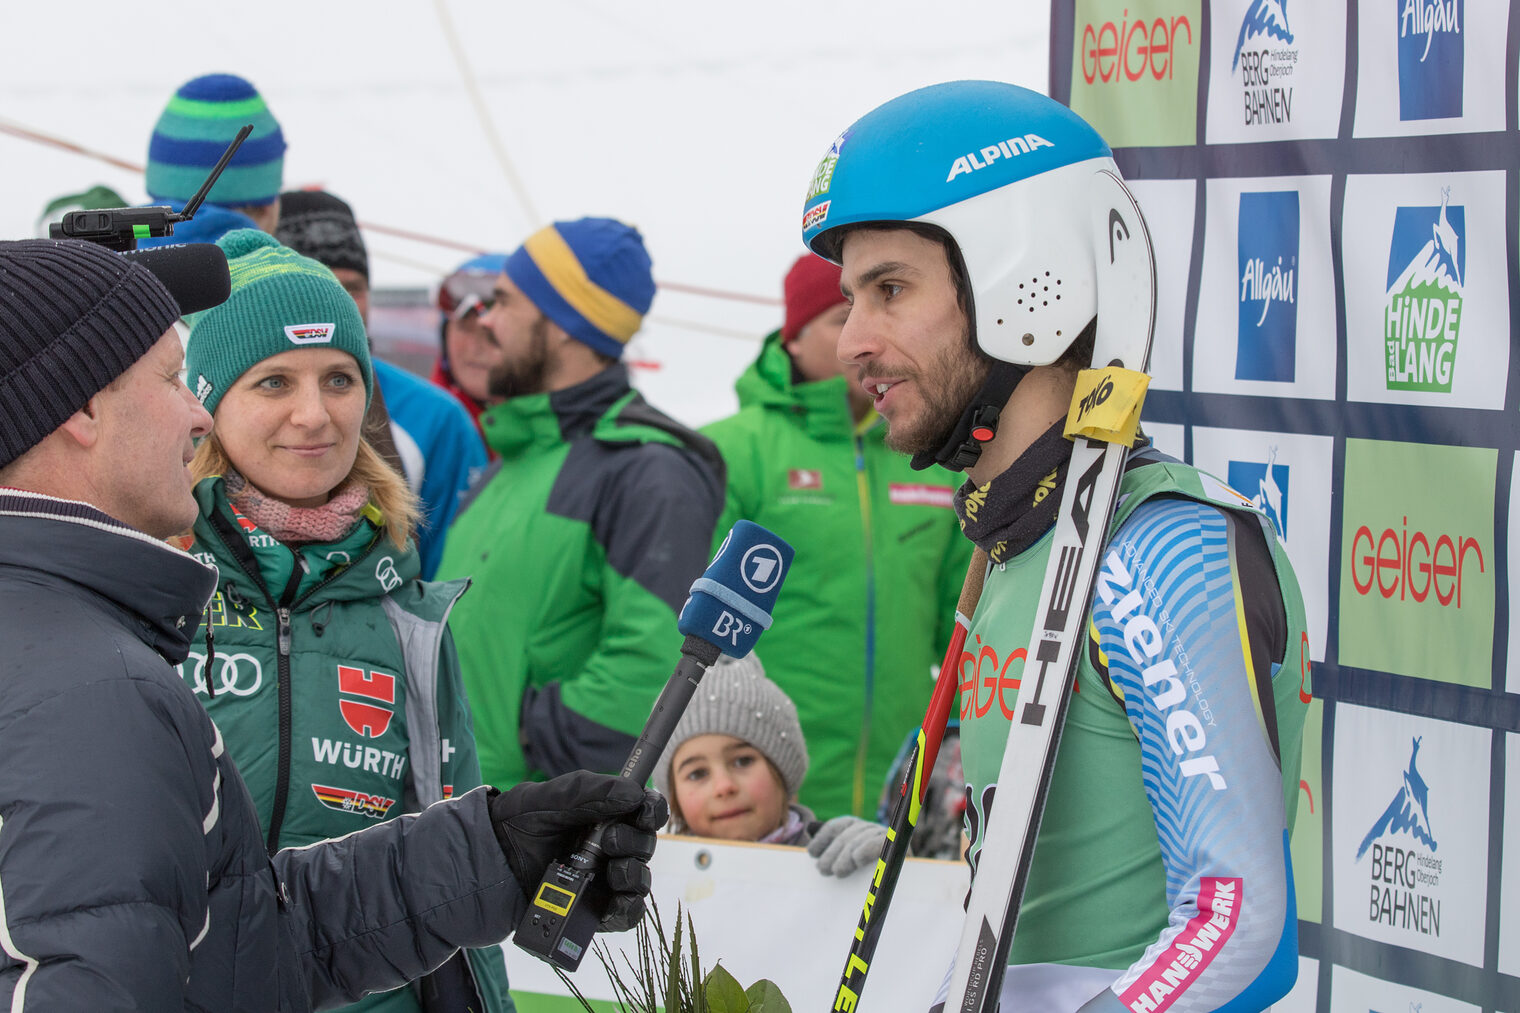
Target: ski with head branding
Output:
{"points": [[1104, 412]]}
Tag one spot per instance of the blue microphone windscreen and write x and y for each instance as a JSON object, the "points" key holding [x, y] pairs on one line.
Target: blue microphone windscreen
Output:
{"points": [[731, 603]]}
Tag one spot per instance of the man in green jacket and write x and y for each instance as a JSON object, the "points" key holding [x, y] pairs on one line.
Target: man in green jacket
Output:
{"points": [[880, 560], [584, 540]]}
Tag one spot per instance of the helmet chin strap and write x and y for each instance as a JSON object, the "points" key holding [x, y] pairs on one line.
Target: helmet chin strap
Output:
{"points": [[978, 423]]}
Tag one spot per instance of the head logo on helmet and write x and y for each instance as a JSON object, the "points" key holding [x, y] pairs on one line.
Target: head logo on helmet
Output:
{"points": [[1009, 174]]}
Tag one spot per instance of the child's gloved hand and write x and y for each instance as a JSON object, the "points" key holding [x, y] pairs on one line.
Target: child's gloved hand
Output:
{"points": [[847, 843]]}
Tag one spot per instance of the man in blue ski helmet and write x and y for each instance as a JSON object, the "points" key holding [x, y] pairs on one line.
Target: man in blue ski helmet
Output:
{"points": [[981, 227]]}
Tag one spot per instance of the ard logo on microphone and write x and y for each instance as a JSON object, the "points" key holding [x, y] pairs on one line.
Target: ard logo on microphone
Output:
{"points": [[761, 567]]}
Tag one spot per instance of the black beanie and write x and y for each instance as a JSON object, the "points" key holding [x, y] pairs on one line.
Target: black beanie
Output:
{"points": [[318, 225], [73, 317]]}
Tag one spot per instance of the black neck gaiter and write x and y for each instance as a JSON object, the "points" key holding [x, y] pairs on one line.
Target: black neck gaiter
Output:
{"points": [[1011, 512]]}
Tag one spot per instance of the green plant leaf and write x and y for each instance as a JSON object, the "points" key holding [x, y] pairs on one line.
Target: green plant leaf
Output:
{"points": [[724, 993], [673, 969], [693, 982], [765, 997]]}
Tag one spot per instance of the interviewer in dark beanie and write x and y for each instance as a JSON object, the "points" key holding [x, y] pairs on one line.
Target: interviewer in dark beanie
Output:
{"points": [[133, 873]]}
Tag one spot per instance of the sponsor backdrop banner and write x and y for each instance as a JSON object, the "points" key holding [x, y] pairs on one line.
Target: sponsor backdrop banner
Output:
{"points": [[1333, 193]]}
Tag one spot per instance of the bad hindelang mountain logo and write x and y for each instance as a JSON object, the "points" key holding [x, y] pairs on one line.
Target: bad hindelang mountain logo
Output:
{"points": [[1427, 262], [1265, 485], [1402, 878], [1265, 59]]}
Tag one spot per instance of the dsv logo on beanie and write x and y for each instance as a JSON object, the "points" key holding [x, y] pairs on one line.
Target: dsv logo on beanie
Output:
{"points": [[310, 334]]}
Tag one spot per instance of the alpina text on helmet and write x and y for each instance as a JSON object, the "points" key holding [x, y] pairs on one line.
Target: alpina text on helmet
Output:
{"points": [[1010, 148]]}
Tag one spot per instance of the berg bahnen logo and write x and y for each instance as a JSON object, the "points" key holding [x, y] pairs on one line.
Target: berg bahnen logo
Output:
{"points": [[1405, 880], [1267, 243], [1422, 317], [1265, 59], [1430, 58]]}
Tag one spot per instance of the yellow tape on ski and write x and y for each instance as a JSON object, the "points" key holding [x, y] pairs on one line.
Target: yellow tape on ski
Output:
{"points": [[1106, 404]]}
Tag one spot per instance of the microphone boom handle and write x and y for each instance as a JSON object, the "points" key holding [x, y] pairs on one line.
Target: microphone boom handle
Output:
{"points": [[563, 913]]}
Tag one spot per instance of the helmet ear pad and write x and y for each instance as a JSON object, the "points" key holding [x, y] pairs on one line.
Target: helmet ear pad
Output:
{"points": [[1029, 252]]}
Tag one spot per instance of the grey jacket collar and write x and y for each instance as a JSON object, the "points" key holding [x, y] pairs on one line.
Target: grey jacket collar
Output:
{"points": [[161, 589]]}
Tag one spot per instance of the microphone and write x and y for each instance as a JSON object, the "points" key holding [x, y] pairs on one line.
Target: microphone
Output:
{"points": [[729, 607], [194, 273], [730, 604]]}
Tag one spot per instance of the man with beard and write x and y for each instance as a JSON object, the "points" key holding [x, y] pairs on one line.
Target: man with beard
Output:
{"points": [[966, 217], [585, 537], [134, 873]]}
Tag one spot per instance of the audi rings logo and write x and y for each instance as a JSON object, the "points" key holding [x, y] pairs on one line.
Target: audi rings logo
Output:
{"points": [[238, 674], [385, 573]]}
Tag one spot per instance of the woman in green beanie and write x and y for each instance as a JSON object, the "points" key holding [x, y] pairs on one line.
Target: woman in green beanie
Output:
{"points": [[329, 666]]}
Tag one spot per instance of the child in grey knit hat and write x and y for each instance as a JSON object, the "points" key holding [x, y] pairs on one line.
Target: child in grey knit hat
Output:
{"points": [[733, 765]]}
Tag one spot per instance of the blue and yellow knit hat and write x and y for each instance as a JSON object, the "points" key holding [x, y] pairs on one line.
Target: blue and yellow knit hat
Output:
{"points": [[195, 128], [591, 276], [280, 301]]}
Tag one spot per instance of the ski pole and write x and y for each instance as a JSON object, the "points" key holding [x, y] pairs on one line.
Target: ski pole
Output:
{"points": [[905, 812]]}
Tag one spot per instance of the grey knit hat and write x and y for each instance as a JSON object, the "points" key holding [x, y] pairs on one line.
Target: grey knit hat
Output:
{"points": [[735, 698], [73, 317]]}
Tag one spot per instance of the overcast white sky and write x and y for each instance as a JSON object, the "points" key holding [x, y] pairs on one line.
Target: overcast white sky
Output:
{"points": [[699, 122]]}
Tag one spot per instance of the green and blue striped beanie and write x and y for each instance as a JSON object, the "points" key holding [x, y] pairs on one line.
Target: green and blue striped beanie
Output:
{"points": [[280, 301], [197, 125]]}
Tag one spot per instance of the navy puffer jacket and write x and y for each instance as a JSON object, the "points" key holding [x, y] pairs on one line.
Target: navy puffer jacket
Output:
{"points": [[132, 872]]}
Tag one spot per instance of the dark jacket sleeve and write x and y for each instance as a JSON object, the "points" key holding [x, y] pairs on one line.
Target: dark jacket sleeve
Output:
{"points": [[103, 864], [656, 528], [380, 907]]}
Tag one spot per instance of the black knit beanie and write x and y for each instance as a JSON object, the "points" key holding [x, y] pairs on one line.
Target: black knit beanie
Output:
{"points": [[73, 317], [318, 225]]}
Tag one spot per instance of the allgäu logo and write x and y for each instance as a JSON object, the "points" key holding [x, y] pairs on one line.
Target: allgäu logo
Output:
{"points": [[1266, 60], [1427, 261], [1267, 243], [1430, 58], [1267, 486]]}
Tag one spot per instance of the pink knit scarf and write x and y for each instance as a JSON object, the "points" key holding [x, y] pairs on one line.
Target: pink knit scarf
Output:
{"points": [[295, 525]]}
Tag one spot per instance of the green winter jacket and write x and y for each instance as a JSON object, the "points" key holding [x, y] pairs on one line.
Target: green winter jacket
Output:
{"points": [[582, 544], [869, 606], [336, 688]]}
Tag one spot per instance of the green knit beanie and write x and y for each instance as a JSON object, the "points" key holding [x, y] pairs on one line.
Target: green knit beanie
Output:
{"points": [[280, 300]]}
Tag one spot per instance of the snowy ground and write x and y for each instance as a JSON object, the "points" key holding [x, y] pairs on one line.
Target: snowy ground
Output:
{"points": [[699, 122]]}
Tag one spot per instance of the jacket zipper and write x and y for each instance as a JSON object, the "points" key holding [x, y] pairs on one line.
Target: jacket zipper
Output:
{"points": [[282, 772], [862, 752], [283, 641]]}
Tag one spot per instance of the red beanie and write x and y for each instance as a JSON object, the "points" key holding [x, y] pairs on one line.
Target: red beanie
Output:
{"points": [[812, 286]]}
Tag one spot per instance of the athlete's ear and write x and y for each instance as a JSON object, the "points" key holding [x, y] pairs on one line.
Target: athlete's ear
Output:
{"points": [[83, 427]]}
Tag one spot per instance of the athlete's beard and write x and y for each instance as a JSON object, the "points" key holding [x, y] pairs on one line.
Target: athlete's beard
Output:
{"points": [[524, 375], [947, 385]]}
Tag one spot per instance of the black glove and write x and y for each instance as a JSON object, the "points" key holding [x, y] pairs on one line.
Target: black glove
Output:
{"points": [[538, 823]]}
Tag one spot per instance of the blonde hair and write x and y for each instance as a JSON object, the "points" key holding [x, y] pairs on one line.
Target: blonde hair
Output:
{"points": [[388, 491]]}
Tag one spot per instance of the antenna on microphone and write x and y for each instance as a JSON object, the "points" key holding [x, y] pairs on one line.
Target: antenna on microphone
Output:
{"points": [[120, 228]]}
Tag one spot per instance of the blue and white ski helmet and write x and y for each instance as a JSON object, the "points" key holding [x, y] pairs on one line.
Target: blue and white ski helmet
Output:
{"points": [[1008, 173]]}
